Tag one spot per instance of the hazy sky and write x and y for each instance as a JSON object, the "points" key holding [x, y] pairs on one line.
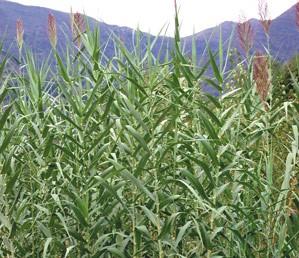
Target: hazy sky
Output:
{"points": [[152, 15]]}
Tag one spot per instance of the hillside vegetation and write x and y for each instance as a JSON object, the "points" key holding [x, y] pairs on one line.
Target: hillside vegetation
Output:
{"points": [[131, 157]]}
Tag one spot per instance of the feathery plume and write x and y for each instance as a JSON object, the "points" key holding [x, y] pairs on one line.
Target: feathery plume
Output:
{"points": [[297, 14], [261, 76], [78, 26], [20, 33], [52, 30], [263, 12], [245, 34]]}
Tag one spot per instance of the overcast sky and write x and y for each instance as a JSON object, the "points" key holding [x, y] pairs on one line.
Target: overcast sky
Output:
{"points": [[151, 15]]}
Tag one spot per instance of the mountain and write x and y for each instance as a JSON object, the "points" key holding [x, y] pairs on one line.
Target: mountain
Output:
{"points": [[36, 31], [284, 35]]}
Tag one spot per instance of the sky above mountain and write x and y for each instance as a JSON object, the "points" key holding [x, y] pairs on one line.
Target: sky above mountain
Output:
{"points": [[152, 15]]}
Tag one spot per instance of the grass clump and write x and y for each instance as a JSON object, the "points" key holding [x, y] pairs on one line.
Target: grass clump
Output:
{"points": [[132, 158]]}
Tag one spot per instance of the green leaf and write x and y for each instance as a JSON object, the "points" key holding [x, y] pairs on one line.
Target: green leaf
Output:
{"points": [[116, 252], [182, 233], [138, 137], [5, 221], [128, 176], [46, 246], [7, 139], [4, 117], [151, 216], [195, 182], [215, 67]]}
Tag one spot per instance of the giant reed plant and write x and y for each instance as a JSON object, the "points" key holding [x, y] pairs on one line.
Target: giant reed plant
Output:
{"points": [[131, 158]]}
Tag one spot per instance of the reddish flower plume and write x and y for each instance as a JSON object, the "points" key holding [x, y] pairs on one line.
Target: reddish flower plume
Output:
{"points": [[20, 32], [175, 4], [52, 31], [261, 76], [297, 14], [263, 12], [78, 26], [245, 34]]}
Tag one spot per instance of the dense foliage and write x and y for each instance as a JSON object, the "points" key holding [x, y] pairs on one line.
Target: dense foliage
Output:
{"points": [[130, 157]]}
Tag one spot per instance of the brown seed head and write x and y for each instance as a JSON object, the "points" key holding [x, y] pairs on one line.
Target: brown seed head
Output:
{"points": [[263, 12], [78, 26], [20, 33], [261, 76], [297, 14], [52, 31], [245, 34]]}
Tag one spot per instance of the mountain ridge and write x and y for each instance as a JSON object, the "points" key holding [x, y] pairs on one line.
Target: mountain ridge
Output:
{"points": [[283, 32]]}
